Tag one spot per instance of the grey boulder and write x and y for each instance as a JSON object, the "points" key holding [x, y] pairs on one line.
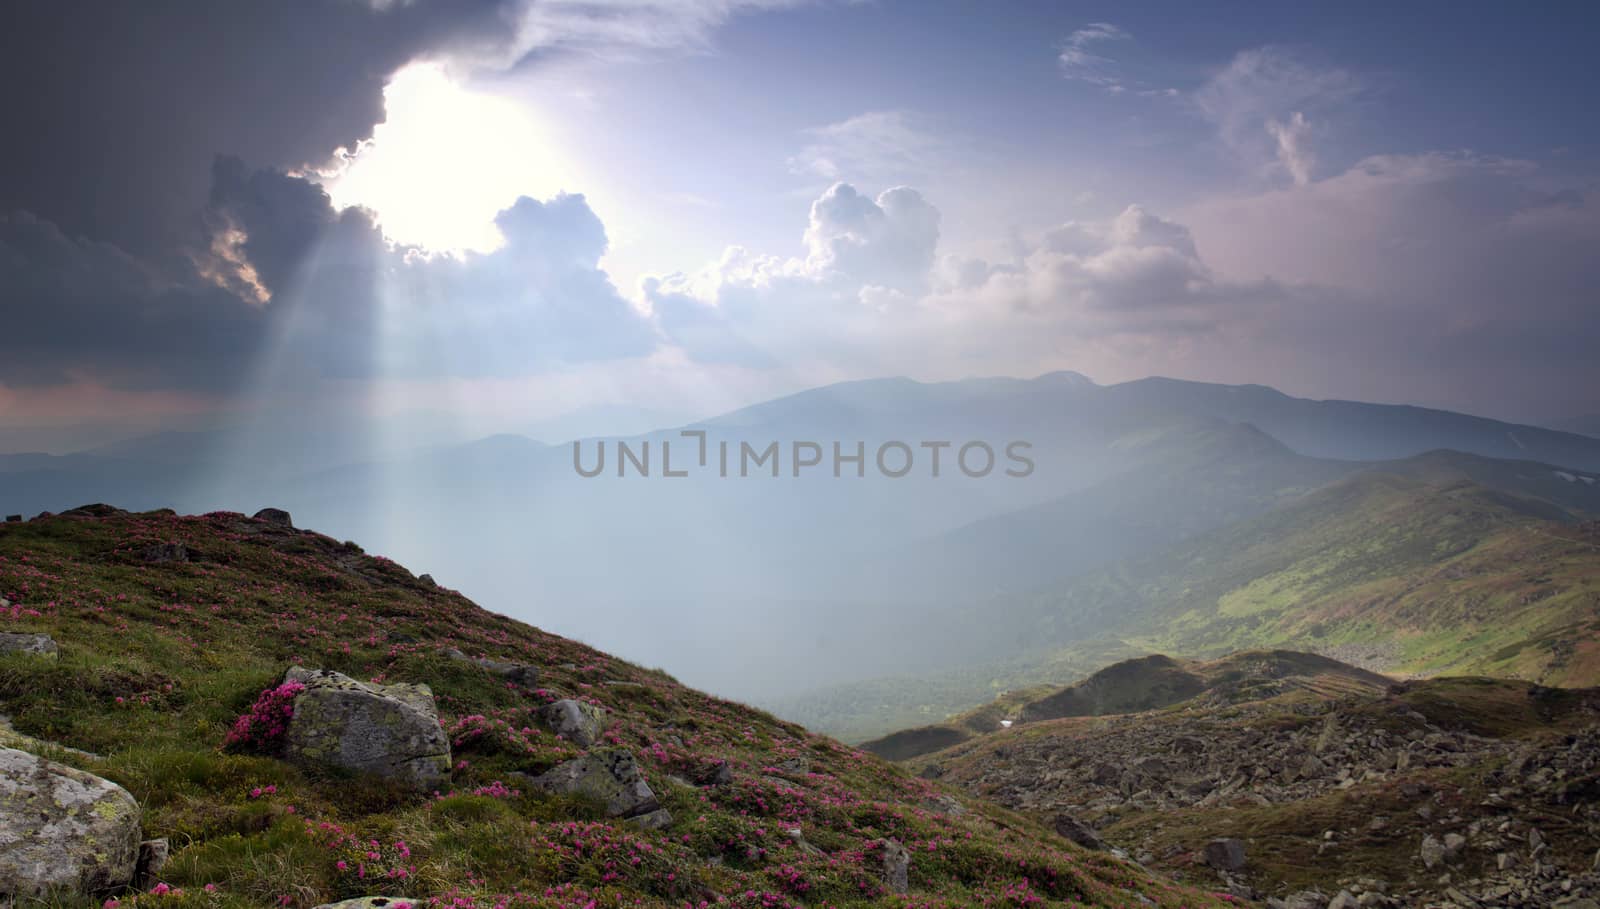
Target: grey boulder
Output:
{"points": [[576, 721], [34, 643], [275, 516], [610, 776], [63, 831], [389, 730], [1225, 854]]}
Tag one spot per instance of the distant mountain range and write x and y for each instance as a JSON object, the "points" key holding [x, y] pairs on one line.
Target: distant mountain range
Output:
{"points": [[1587, 425], [767, 588]]}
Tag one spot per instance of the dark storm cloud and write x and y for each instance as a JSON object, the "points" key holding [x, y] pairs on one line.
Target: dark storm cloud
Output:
{"points": [[114, 111], [138, 250], [278, 270]]}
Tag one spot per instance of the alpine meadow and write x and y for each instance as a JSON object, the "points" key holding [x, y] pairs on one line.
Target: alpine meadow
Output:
{"points": [[590, 454]]}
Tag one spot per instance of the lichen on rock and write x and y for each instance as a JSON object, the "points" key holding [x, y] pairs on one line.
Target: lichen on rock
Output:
{"points": [[62, 830], [390, 730]]}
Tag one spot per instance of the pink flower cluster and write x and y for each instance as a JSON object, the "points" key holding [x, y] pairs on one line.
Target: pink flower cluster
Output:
{"points": [[268, 719]]}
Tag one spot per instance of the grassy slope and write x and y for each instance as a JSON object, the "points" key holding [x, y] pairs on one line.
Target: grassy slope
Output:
{"points": [[158, 659], [1418, 574], [1454, 579]]}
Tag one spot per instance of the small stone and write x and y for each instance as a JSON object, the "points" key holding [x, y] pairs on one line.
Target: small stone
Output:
{"points": [[652, 820], [795, 766], [33, 643], [518, 673], [800, 841], [721, 774], [166, 552], [896, 867], [152, 858], [1432, 852], [1343, 900], [1078, 832]]}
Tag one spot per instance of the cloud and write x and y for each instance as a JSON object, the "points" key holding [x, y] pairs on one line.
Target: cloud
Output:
{"points": [[103, 160], [236, 80], [75, 308], [864, 259], [872, 287], [1079, 62], [1294, 151], [886, 242], [1429, 277], [1263, 100], [623, 28], [280, 274], [371, 308], [876, 145]]}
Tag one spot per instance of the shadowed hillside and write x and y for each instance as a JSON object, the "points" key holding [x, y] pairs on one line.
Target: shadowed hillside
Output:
{"points": [[166, 630]]}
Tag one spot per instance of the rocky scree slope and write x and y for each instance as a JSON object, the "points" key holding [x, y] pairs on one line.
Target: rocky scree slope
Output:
{"points": [[299, 722], [1460, 792]]}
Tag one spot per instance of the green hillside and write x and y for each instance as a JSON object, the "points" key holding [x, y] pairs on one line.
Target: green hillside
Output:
{"points": [[169, 629], [1440, 564], [1402, 574]]}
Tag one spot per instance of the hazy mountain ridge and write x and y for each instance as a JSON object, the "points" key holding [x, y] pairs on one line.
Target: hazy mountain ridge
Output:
{"points": [[764, 587]]}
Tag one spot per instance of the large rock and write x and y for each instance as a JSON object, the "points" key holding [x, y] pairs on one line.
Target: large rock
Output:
{"points": [[389, 730], [375, 902], [62, 830], [1225, 854], [609, 775], [576, 721], [33, 643], [275, 516]]}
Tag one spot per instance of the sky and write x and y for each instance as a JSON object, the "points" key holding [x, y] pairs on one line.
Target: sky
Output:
{"points": [[496, 212]]}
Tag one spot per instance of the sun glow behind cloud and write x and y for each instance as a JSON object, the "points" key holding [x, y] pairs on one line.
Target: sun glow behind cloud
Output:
{"points": [[445, 160]]}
